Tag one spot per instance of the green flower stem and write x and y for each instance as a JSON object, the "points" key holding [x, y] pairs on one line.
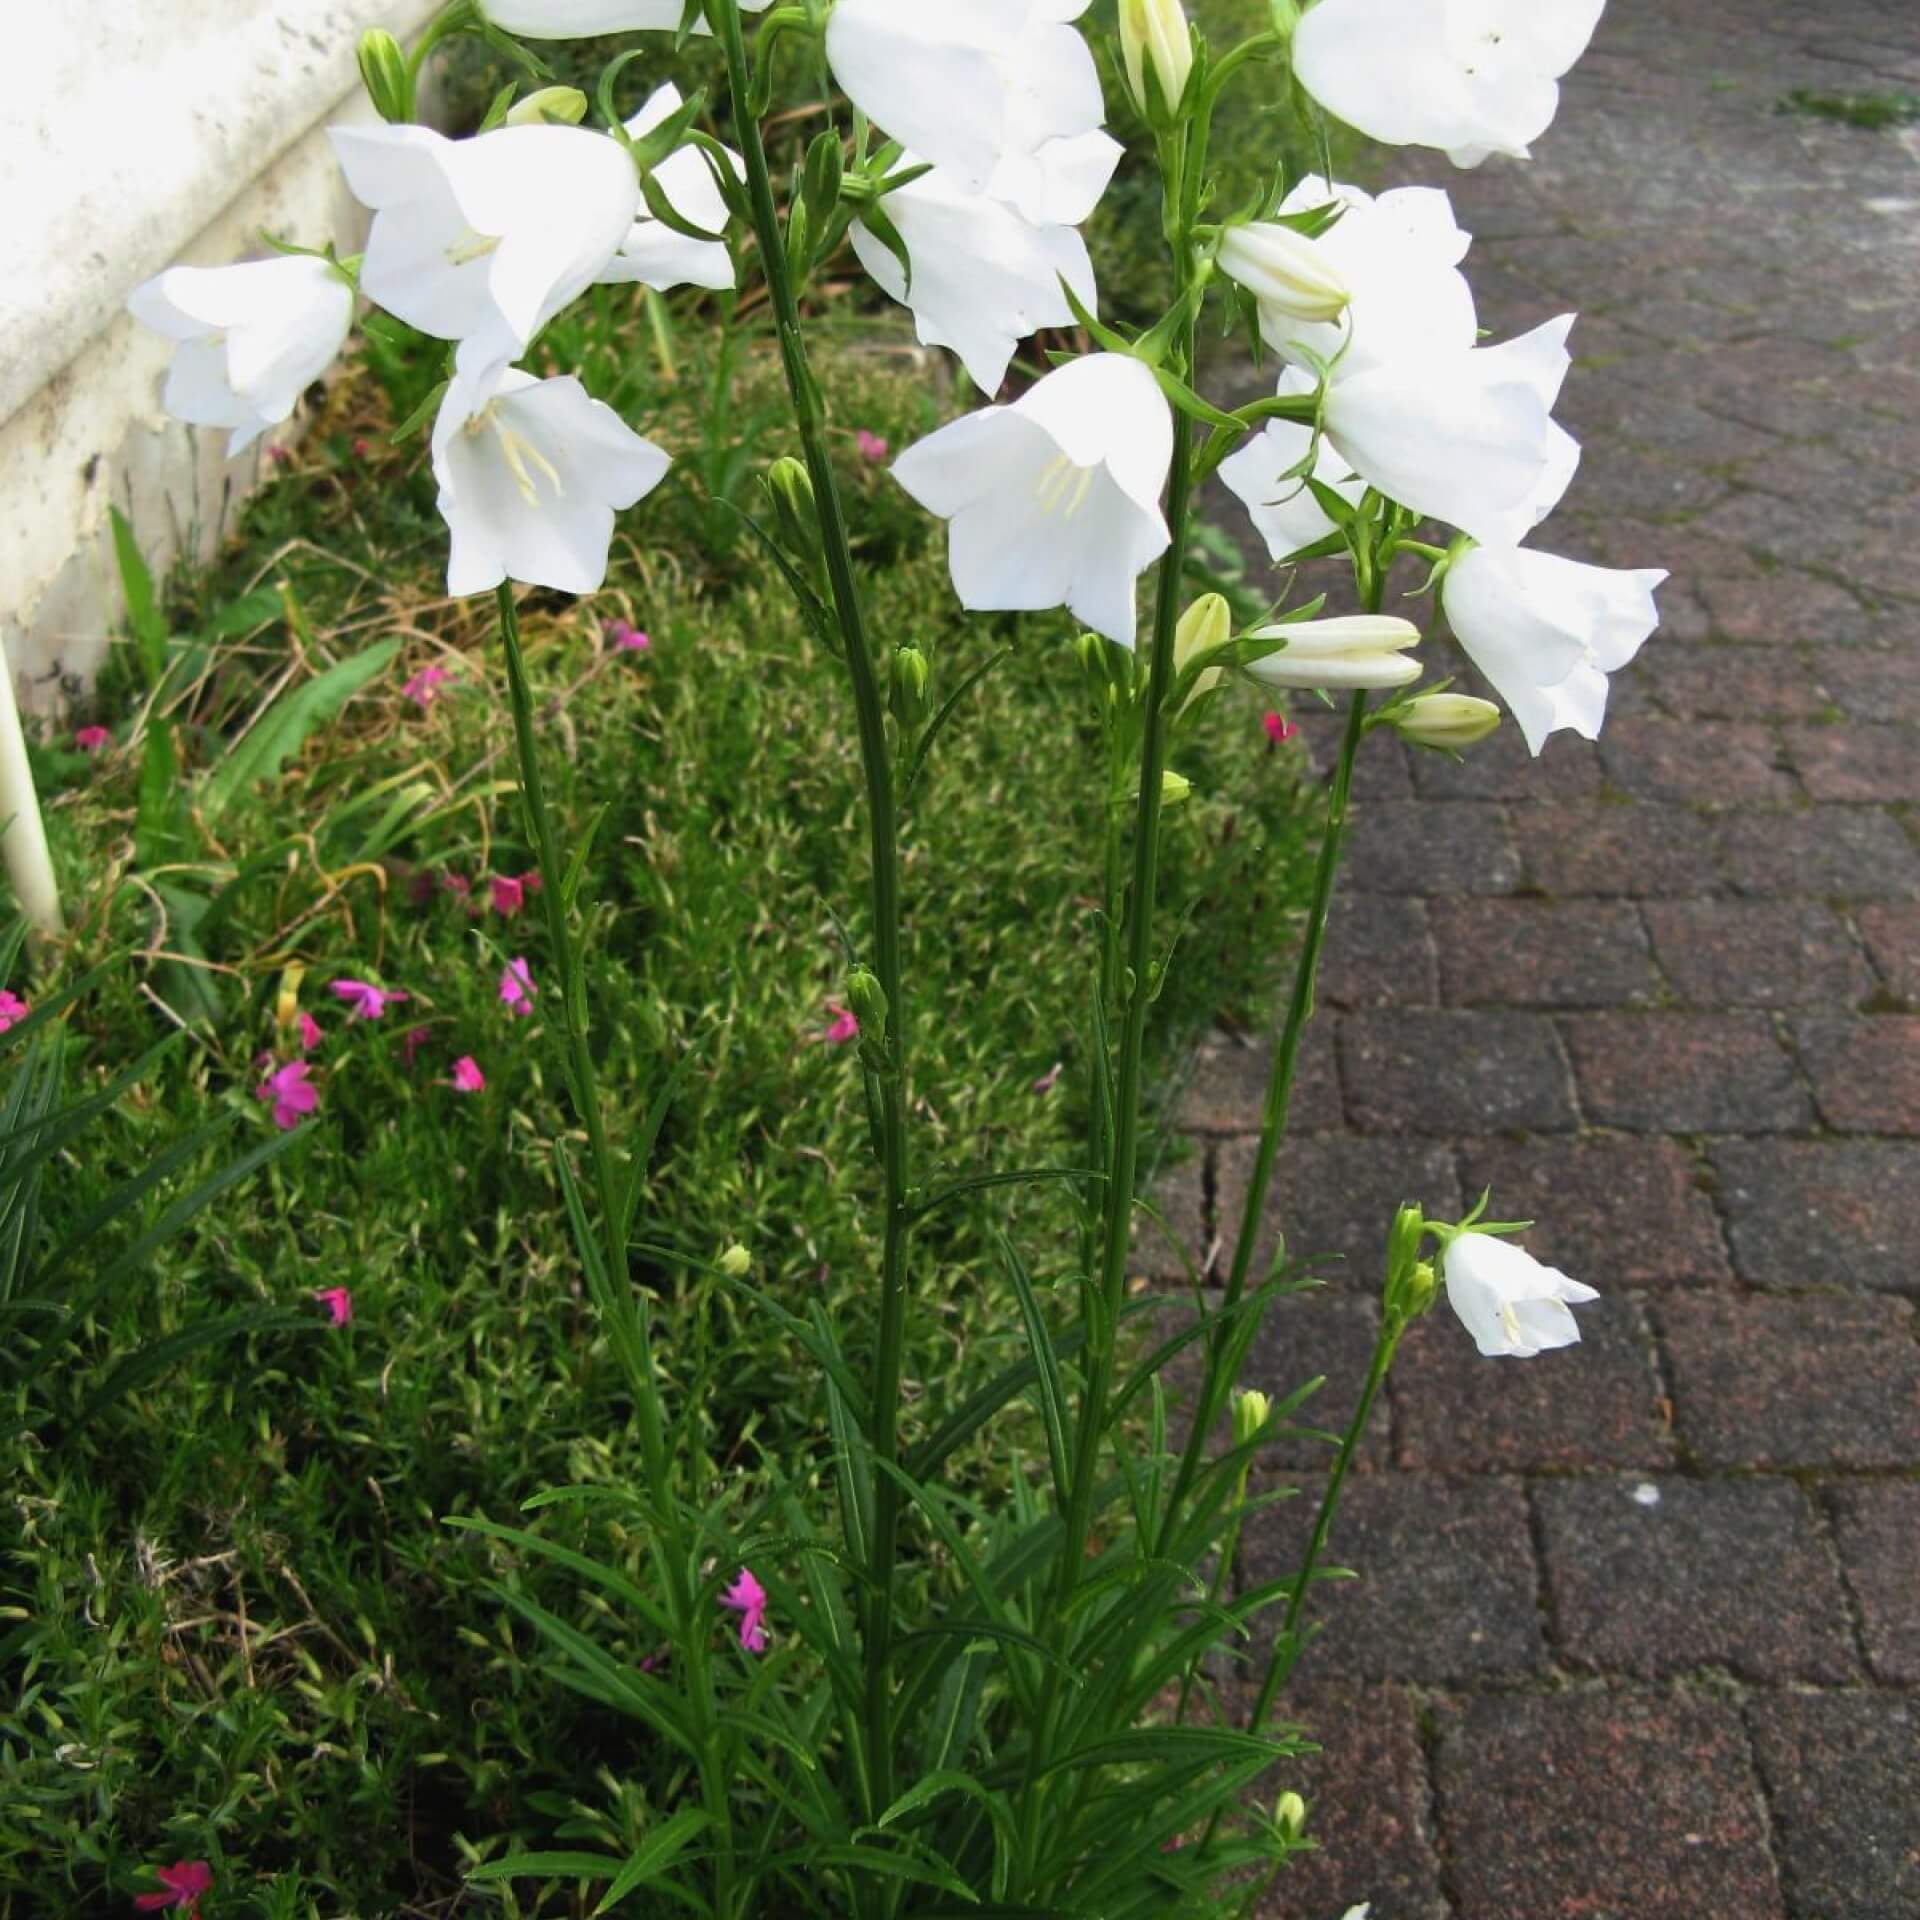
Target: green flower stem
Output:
{"points": [[883, 824]]}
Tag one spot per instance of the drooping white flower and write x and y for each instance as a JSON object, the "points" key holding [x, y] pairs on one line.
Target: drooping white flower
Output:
{"points": [[984, 277], [1513, 1305], [976, 87], [1547, 632], [1287, 273], [252, 338], [1468, 437], [653, 253], [1346, 654], [531, 473], [1278, 501], [1471, 76], [1055, 500], [586, 19], [484, 240]]}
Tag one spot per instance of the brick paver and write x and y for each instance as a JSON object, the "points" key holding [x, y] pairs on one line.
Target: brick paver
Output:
{"points": [[1637, 1633]]}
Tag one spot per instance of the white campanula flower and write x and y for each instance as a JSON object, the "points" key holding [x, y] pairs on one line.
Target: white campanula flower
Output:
{"points": [[985, 277], [1287, 273], [584, 19], [1346, 654], [1055, 500], [1547, 632], [531, 473], [1278, 501], [484, 240], [1513, 1305], [252, 338], [976, 87], [653, 253], [1471, 76]]}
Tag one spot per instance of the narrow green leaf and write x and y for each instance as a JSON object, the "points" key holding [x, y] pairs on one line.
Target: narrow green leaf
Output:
{"points": [[655, 1854]]}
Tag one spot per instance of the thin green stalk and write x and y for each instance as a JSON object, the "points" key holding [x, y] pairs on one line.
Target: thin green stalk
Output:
{"points": [[883, 825]]}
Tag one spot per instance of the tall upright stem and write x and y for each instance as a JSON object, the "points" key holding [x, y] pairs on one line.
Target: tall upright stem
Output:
{"points": [[883, 827]]}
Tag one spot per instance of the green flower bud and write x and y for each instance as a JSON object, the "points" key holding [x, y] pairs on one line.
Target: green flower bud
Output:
{"points": [[1155, 33], [790, 488], [868, 999], [1423, 1284], [551, 106], [907, 687], [736, 1262], [1286, 17], [1205, 626], [1445, 721], [1251, 1411], [1175, 789], [1290, 1815], [383, 70]]}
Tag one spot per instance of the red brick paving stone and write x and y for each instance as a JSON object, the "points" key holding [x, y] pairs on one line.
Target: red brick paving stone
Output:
{"points": [[1853, 852], [1685, 1073], [1865, 1073], [1871, 684], [1840, 1773], [1857, 762], [1447, 1589], [1751, 953], [1822, 1213], [1501, 768], [1430, 846], [1334, 1197], [1543, 953], [1877, 1526], [1594, 1405], [1611, 1210], [1708, 763], [1618, 1805], [1654, 1577], [1227, 1089], [1803, 1381], [1637, 851], [1366, 1795], [1454, 1073], [1300, 1338], [1734, 683], [1892, 934], [1379, 954]]}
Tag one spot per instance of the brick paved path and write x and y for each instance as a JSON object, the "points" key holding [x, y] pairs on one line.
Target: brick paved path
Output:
{"points": [[1638, 1636]]}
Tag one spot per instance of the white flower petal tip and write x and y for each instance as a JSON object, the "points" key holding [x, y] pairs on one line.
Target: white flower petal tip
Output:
{"points": [[1548, 631], [1513, 1305], [656, 255], [1054, 501], [531, 473]]}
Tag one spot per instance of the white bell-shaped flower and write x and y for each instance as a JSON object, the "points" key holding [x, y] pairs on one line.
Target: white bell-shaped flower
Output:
{"points": [[587, 19], [485, 240], [1473, 77], [1512, 1304], [653, 254], [531, 473], [1547, 632], [984, 277], [1346, 654], [1278, 500], [1055, 500], [252, 338], [976, 87]]}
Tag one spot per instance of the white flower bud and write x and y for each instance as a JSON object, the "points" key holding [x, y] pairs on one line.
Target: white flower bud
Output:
{"points": [[1204, 628], [1175, 788], [1251, 1411], [551, 106], [1448, 721], [1283, 270], [1358, 651], [1156, 30]]}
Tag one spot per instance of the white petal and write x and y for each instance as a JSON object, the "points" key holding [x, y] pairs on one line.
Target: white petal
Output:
{"points": [[1284, 512], [959, 463], [1108, 408], [1385, 67], [587, 19]]}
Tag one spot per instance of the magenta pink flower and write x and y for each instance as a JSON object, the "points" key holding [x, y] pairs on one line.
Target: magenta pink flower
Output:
{"points": [[292, 1094], [508, 895], [310, 1033], [871, 448], [361, 448], [624, 637], [517, 991], [364, 1000], [845, 1027], [12, 1009], [424, 688], [92, 739], [748, 1598], [467, 1077], [1051, 1078], [338, 1302], [1279, 728], [183, 1883]]}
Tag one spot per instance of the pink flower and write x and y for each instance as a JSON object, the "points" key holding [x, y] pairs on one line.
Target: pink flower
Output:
{"points": [[184, 1882], [361, 449], [508, 896], [748, 1598], [871, 448], [364, 1000], [12, 1009], [279, 455], [1051, 1078], [517, 991], [338, 1302], [412, 1041], [456, 884], [293, 1095], [1279, 728], [467, 1077], [424, 688], [624, 637], [845, 1026], [93, 739], [310, 1034]]}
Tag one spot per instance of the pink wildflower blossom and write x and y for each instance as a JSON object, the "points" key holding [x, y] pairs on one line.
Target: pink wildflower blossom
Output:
{"points": [[92, 739], [1051, 1078], [310, 1033], [424, 688], [467, 1077], [871, 448], [508, 895], [846, 1025], [292, 1094], [361, 448], [412, 1041], [517, 991], [12, 1009], [748, 1598], [364, 1000], [624, 637], [183, 1883], [338, 1302], [1279, 728]]}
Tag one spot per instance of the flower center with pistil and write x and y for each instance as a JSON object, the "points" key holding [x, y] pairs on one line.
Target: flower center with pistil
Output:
{"points": [[1064, 488], [520, 454], [469, 246]]}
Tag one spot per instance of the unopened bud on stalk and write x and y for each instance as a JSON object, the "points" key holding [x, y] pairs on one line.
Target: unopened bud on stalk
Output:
{"points": [[1286, 17], [1446, 721], [1422, 1284], [1251, 1411], [1290, 1815], [790, 488], [383, 71], [1175, 789], [1284, 271], [736, 1262], [1351, 653], [551, 106], [907, 686], [868, 999], [1205, 627], [286, 1009], [1156, 31]]}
